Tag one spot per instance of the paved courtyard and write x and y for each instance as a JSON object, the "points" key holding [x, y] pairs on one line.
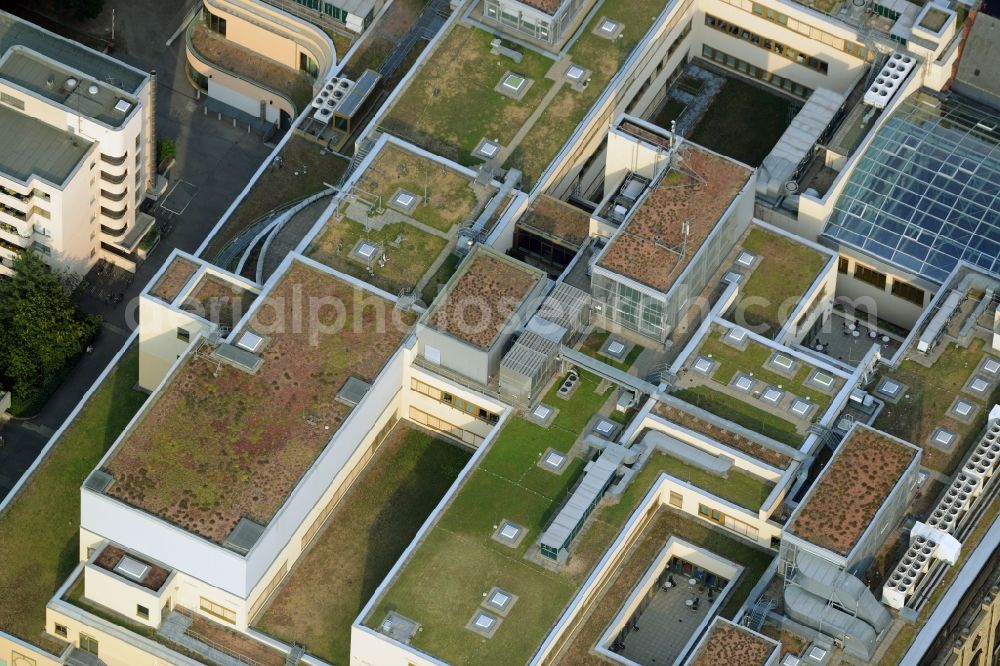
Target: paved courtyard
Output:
{"points": [[666, 625]]}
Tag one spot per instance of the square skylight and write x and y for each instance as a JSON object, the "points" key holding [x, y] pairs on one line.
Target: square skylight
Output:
{"points": [[510, 531], [736, 335], [615, 348], [132, 568], [800, 407], [703, 365], [122, 106], [367, 250], [541, 412], [744, 383], [732, 277], [745, 259], [783, 361], [404, 199], [488, 149], [943, 437], [608, 26], [484, 620], [499, 598], [890, 388], [979, 385], [963, 408], [991, 366], [772, 395], [514, 82], [484, 623], [574, 72], [822, 379], [604, 427], [250, 341], [554, 459]]}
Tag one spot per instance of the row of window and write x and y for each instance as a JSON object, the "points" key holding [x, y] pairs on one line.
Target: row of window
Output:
{"points": [[327, 8], [674, 45], [730, 523], [10, 100], [744, 67], [878, 279], [802, 28], [435, 423], [484, 415], [218, 610], [767, 44]]}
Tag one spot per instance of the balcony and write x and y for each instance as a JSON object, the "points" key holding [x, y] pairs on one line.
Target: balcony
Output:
{"points": [[113, 179], [12, 213], [114, 197], [113, 161]]}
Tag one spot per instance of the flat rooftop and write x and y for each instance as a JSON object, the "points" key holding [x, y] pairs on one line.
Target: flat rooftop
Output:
{"points": [[216, 444], [481, 298], [557, 219], [173, 279], [18, 32], [697, 190], [30, 148], [92, 98], [728, 644], [853, 487], [550, 7], [218, 300]]}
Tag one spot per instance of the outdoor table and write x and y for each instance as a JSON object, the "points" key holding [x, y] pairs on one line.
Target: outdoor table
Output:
{"points": [[689, 602], [692, 582], [855, 333], [872, 334], [885, 338], [851, 327]]}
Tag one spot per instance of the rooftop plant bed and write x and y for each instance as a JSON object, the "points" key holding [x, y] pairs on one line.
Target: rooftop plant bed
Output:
{"points": [[753, 359], [728, 644], [666, 524], [406, 265], [450, 104], [742, 413], [440, 278], [787, 269], [723, 436], [299, 171], [248, 438], [594, 342], [446, 196], [851, 490], [442, 583], [737, 487], [603, 58], [34, 561], [929, 394], [369, 531], [173, 279], [219, 300]]}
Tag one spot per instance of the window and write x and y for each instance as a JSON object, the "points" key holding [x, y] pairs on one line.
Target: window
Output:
{"points": [[88, 644], [676, 499], [141, 612], [216, 24], [10, 100], [908, 292], [218, 611], [41, 249], [480, 413], [842, 265], [761, 75], [308, 65], [183, 335], [61, 630], [869, 275]]}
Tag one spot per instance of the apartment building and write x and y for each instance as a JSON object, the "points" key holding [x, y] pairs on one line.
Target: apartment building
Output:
{"points": [[77, 151]]}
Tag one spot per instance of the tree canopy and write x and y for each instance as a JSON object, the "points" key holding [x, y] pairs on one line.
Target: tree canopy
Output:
{"points": [[41, 329]]}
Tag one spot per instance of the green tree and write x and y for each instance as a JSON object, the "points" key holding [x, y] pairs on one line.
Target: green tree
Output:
{"points": [[41, 329]]}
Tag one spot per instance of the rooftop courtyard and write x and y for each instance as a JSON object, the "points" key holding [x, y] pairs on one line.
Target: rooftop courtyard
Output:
{"points": [[248, 438], [696, 191], [369, 530], [852, 488], [760, 387], [783, 272]]}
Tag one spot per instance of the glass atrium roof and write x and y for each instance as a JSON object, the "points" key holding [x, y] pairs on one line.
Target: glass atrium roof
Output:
{"points": [[925, 192]]}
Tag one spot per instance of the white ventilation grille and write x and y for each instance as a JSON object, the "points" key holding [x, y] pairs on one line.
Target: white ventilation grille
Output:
{"points": [[888, 81]]}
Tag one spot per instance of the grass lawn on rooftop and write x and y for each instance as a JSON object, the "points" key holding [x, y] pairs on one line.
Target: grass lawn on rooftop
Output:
{"points": [[738, 487], [603, 58], [357, 548], [594, 342], [451, 104], [442, 584], [440, 278], [304, 171], [40, 529], [405, 266], [729, 129], [786, 270], [449, 195], [929, 393], [741, 413]]}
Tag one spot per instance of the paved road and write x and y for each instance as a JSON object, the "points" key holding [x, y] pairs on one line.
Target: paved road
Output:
{"points": [[212, 156]]}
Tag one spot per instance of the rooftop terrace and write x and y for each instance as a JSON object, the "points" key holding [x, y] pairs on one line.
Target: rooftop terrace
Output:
{"points": [[853, 487], [728, 644], [482, 296], [249, 438], [786, 270], [173, 279], [369, 530], [30, 148], [18, 32], [219, 301], [697, 190], [557, 219]]}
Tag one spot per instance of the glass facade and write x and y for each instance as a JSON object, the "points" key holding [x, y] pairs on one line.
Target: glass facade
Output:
{"points": [[926, 192]]}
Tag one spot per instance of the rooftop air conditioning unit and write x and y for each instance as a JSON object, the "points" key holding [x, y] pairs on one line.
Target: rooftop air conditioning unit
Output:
{"points": [[889, 79]]}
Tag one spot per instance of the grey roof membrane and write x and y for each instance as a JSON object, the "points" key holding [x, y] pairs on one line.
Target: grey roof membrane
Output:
{"points": [[29, 147]]}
